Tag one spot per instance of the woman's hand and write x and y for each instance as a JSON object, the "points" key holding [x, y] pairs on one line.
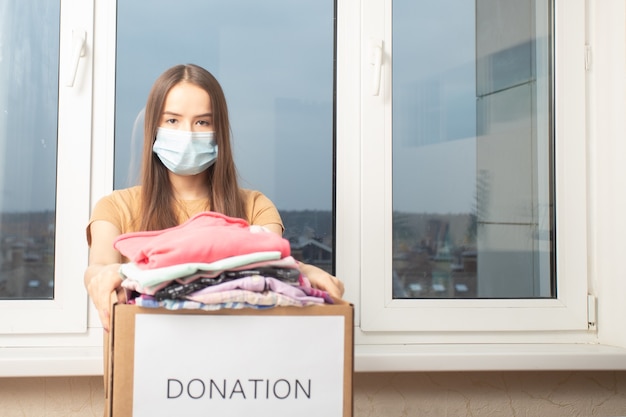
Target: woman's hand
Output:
{"points": [[317, 277], [101, 281], [102, 275], [322, 280]]}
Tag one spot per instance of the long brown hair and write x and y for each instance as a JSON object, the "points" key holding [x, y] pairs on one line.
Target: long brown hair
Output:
{"points": [[157, 209]]}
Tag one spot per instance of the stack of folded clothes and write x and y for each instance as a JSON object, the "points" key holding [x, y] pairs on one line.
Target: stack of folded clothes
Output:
{"points": [[213, 261]]}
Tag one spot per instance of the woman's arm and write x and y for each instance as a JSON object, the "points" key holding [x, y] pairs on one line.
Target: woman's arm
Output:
{"points": [[102, 276]]}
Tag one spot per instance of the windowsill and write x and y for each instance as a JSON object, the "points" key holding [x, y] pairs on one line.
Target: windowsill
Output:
{"points": [[85, 361], [489, 357], [50, 361]]}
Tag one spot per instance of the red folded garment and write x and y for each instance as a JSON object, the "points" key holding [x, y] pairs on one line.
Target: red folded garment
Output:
{"points": [[206, 237]]}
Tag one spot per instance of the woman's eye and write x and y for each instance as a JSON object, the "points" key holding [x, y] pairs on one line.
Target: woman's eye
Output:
{"points": [[204, 123], [170, 121]]}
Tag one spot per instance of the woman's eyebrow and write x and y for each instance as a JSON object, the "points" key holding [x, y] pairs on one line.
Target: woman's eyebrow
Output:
{"points": [[199, 116]]}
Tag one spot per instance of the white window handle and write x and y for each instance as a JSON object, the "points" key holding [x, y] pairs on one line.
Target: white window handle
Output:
{"points": [[376, 48], [79, 38]]}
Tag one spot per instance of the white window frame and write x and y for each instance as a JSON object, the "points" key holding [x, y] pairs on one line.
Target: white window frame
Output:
{"points": [[472, 334], [66, 313], [568, 310]]}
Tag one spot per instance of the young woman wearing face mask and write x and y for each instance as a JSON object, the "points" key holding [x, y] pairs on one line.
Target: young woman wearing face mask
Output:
{"points": [[187, 168]]}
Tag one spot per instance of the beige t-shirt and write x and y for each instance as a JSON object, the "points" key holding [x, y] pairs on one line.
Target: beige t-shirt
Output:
{"points": [[121, 208]]}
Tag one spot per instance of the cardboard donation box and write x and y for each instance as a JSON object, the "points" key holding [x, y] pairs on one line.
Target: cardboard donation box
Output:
{"points": [[282, 361]]}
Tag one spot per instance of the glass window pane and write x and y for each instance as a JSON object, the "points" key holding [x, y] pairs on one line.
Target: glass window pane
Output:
{"points": [[275, 64], [472, 149], [29, 57]]}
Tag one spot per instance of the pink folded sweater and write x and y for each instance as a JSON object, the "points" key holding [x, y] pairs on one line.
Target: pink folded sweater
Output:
{"points": [[206, 237]]}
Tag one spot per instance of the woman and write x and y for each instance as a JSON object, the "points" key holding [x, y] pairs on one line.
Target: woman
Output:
{"points": [[187, 168]]}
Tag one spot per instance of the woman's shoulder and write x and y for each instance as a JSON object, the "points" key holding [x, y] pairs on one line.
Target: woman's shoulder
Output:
{"points": [[127, 195], [254, 196], [248, 193], [260, 209], [120, 207], [124, 200]]}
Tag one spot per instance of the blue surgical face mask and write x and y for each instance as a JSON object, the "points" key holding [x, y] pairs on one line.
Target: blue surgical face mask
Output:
{"points": [[183, 152]]}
